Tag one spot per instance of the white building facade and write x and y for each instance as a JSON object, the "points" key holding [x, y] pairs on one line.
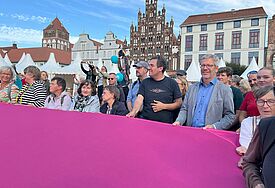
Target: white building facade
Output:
{"points": [[236, 36], [93, 51]]}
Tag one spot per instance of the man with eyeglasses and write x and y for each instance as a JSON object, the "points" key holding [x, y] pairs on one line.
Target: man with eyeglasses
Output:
{"points": [[112, 80], [208, 103]]}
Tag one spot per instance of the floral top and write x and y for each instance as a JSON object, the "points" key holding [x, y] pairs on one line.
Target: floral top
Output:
{"points": [[5, 96]]}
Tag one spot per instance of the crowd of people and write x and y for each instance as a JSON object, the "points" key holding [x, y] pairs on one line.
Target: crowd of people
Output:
{"points": [[220, 100]]}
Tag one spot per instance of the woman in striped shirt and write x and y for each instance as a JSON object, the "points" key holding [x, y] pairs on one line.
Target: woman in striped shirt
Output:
{"points": [[33, 93]]}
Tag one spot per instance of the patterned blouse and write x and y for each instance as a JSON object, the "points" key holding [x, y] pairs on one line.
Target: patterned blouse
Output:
{"points": [[32, 94], [9, 93]]}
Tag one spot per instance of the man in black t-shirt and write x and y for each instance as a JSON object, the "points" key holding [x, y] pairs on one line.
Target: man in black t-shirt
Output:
{"points": [[158, 94]]}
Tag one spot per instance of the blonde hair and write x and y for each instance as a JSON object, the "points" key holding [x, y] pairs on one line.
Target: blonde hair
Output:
{"points": [[244, 84], [184, 84]]}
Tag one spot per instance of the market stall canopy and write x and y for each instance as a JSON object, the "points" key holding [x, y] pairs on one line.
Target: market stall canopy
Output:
{"points": [[253, 66]]}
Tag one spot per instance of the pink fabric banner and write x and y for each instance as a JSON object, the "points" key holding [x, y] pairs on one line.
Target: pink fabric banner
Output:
{"points": [[43, 148]]}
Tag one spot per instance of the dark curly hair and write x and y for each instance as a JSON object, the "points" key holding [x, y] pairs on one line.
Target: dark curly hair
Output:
{"points": [[86, 83]]}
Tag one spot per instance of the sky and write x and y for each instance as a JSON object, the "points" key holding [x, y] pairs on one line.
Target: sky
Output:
{"points": [[23, 21]]}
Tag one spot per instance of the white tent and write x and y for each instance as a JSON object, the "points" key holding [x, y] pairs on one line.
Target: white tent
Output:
{"points": [[51, 66], [3, 62], [221, 63], [252, 67], [27, 61], [73, 68], [193, 72], [7, 59]]}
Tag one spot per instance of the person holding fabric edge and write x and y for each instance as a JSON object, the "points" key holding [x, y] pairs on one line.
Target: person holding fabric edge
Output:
{"points": [[159, 95], [208, 103]]}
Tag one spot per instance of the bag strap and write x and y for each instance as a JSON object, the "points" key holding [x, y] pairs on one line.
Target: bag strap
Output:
{"points": [[9, 91]]}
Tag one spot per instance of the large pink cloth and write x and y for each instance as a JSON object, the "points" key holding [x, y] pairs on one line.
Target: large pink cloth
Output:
{"points": [[43, 148]]}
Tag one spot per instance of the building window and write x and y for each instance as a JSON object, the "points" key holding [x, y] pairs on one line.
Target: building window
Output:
{"points": [[189, 29], [189, 43], [150, 29], [255, 22], [251, 55], [236, 39], [236, 58], [200, 57], [219, 55], [166, 48], [204, 27], [143, 29], [203, 42], [254, 36], [219, 41], [159, 27], [219, 26], [187, 61], [237, 24]]}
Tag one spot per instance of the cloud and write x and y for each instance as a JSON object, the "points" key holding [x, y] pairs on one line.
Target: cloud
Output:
{"points": [[73, 39], [25, 18], [18, 34], [122, 27], [1, 14]]}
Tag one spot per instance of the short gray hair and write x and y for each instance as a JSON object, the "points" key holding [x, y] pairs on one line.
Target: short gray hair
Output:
{"points": [[34, 70], [211, 56], [114, 90], [4, 68], [260, 92]]}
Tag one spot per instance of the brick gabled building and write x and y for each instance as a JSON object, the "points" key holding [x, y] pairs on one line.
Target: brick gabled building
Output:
{"points": [[56, 36], [154, 36]]}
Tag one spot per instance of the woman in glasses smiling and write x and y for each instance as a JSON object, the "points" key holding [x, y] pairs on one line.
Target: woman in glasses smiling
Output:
{"points": [[8, 90], [258, 162], [266, 105]]}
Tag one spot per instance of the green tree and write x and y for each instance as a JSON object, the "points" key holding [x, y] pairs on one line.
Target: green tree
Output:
{"points": [[237, 69]]}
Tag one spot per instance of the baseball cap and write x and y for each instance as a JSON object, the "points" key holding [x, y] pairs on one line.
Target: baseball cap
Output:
{"points": [[181, 72], [142, 64]]}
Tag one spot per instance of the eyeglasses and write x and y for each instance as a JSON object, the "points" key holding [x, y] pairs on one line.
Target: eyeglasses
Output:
{"points": [[207, 66], [269, 102], [110, 78]]}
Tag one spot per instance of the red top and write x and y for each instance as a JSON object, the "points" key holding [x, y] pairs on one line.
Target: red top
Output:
{"points": [[249, 105]]}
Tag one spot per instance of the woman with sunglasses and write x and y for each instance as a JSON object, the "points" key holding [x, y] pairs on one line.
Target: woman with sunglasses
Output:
{"points": [[248, 108]]}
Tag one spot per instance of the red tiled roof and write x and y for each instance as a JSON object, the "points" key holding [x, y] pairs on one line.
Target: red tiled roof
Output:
{"points": [[56, 25], [222, 16], [4, 50], [41, 54]]}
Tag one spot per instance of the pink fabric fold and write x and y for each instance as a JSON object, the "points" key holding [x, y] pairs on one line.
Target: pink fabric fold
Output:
{"points": [[48, 148]]}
